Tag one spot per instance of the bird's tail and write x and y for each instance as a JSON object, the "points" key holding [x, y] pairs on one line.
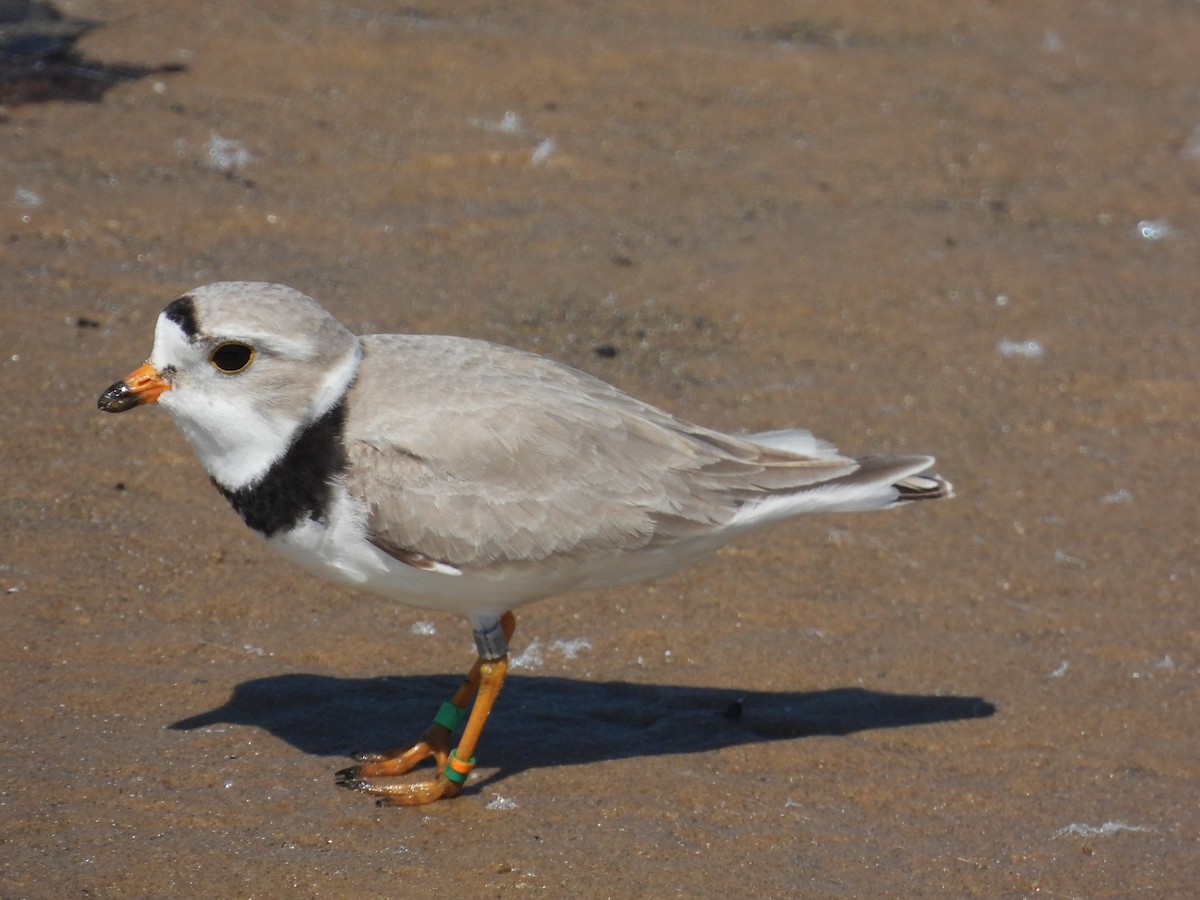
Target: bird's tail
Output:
{"points": [[926, 486], [874, 482]]}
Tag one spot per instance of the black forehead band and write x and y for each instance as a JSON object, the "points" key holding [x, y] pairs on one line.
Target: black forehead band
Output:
{"points": [[183, 313]]}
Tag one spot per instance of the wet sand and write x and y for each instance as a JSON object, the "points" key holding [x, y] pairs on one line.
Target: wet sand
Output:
{"points": [[965, 228]]}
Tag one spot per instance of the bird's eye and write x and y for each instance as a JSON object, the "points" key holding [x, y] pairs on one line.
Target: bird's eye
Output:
{"points": [[232, 357]]}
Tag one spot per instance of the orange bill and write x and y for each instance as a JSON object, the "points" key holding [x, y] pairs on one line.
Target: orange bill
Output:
{"points": [[143, 385]]}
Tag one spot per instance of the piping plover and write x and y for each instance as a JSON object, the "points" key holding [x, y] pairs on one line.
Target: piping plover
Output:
{"points": [[460, 475]]}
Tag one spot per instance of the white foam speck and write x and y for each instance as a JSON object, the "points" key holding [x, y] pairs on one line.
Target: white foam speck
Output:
{"points": [[543, 150], [1118, 496], [1028, 349], [226, 154], [570, 649], [510, 123], [501, 803], [1192, 148], [26, 198], [1155, 229], [1082, 830], [423, 627], [530, 658], [1061, 557]]}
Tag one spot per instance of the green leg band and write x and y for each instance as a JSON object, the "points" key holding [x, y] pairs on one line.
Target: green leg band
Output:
{"points": [[457, 771], [449, 717]]}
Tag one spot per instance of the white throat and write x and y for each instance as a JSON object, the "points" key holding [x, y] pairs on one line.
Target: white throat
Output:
{"points": [[236, 433], [235, 442]]}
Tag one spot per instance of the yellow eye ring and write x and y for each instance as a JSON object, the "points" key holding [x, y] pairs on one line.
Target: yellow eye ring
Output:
{"points": [[231, 357]]}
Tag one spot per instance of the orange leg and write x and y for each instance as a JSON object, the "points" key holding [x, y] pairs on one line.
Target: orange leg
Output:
{"points": [[483, 682]]}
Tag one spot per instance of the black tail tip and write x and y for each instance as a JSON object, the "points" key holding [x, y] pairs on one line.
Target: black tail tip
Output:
{"points": [[926, 486]]}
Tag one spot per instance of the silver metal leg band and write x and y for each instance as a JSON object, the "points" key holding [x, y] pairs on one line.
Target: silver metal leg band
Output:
{"points": [[491, 643]]}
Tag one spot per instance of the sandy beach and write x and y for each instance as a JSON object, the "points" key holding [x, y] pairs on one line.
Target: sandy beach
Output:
{"points": [[967, 228]]}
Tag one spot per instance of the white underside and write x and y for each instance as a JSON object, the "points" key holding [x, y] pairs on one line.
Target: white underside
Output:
{"points": [[338, 550]]}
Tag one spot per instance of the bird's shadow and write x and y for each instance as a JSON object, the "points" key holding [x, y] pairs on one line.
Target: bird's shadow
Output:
{"points": [[551, 721]]}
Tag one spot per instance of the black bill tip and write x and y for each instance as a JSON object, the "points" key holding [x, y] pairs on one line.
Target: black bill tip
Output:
{"points": [[118, 398]]}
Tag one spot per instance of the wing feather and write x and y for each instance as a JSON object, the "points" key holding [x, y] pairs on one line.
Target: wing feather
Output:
{"points": [[470, 454]]}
